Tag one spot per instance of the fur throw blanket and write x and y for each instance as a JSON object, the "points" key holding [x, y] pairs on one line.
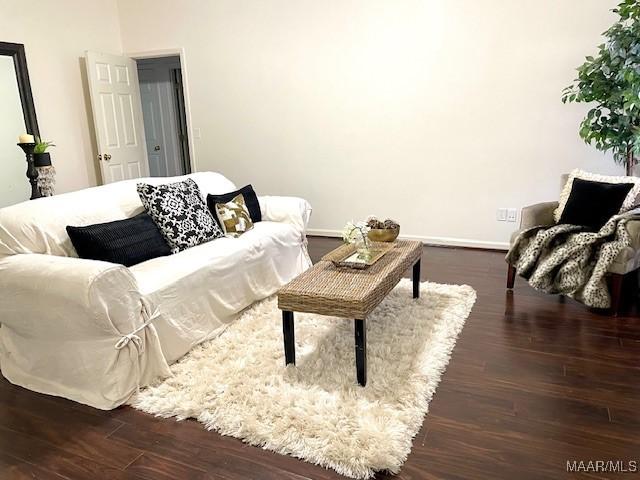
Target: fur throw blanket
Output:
{"points": [[569, 260]]}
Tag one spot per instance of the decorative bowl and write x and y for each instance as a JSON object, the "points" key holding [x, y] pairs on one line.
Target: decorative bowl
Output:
{"points": [[383, 234]]}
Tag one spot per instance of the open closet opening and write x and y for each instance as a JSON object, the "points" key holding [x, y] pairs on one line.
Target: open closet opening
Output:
{"points": [[164, 115]]}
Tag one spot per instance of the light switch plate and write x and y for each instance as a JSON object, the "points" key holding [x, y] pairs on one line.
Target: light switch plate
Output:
{"points": [[501, 216]]}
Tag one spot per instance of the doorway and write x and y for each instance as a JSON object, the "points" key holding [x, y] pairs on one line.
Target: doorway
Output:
{"points": [[164, 115]]}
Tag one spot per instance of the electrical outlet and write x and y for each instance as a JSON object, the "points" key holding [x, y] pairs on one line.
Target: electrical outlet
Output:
{"points": [[196, 133], [512, 215], [501, 216]]}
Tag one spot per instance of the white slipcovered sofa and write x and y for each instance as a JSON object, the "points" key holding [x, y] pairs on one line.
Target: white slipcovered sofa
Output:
{"points": [[94, 331]]}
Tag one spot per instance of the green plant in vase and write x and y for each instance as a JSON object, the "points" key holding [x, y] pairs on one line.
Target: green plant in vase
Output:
{"points": [[41, 147], [41, 157], [610, 81]]}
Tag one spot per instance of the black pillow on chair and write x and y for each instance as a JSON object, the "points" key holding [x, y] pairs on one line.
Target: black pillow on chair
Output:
{"points": [[127, 242], [250, 200], [592, 204]]}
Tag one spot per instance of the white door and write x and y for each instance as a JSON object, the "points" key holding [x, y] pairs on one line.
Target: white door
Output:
{"points": [[117, 116]]}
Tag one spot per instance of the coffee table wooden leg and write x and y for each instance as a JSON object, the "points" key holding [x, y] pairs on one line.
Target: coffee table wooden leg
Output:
{"points": [[361, 351], [416, 279], [289, 337]]}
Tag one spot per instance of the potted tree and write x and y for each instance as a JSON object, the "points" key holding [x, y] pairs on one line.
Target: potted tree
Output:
{"points": [[610, 81], [42, 158]]}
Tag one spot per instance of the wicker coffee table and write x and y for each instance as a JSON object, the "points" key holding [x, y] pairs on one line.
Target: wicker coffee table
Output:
{"points": [[328, 290]]}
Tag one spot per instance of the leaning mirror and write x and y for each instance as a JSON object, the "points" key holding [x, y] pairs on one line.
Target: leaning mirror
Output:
{"points": [[17, 116]]}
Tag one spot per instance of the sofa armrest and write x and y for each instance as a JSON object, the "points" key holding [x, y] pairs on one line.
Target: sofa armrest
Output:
{"points": [[293, 210], [76, 328], [538, 214], [57, 296]]}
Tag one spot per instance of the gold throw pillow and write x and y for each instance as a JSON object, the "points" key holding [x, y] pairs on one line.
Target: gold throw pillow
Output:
{"points": [[234, 216]]}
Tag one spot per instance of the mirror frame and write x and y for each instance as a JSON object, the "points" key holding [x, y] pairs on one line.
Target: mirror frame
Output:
{"points": [[16, 51]]}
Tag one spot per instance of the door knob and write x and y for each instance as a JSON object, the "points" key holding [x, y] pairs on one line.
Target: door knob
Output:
{"points": [[157, 148], [107, 157]]}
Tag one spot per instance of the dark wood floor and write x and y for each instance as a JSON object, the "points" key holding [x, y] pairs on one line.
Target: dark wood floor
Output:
{"points": [[534, 381]]}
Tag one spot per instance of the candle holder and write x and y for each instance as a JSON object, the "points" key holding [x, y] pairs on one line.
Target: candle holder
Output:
{"points": [[32, 173]]}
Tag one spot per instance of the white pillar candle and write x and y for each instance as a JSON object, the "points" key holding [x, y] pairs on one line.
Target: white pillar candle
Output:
{"points": [[26, 138]]}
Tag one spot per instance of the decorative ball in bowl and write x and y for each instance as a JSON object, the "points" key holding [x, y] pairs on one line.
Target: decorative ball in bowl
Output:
{"points": [[386, 231]]}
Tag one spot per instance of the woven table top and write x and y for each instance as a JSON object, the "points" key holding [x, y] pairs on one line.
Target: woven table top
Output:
{"points": [[344, 292]]}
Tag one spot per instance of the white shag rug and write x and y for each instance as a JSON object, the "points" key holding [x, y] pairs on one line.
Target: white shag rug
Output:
{"points": [[237, 384]]}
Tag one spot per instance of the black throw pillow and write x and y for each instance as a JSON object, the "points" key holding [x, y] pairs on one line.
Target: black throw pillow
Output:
{"points": [[250, 200], [127, 242], [592, 204]]}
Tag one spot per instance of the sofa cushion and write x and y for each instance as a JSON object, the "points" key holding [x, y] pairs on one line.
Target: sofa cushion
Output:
{"points": [[250, 200], [198, 291], [39, 226], [228, 256], [127, 242], [180, 213]]}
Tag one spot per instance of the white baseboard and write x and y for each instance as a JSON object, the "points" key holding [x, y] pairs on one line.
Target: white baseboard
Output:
{"points": [[441, 241]]}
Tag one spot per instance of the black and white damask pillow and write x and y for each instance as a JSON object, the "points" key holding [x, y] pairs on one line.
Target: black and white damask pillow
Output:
{"points": [[180, 213]]}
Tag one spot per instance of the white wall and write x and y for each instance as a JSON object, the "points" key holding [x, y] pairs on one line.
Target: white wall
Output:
{"points": [[430, 111], [55, 35]]}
